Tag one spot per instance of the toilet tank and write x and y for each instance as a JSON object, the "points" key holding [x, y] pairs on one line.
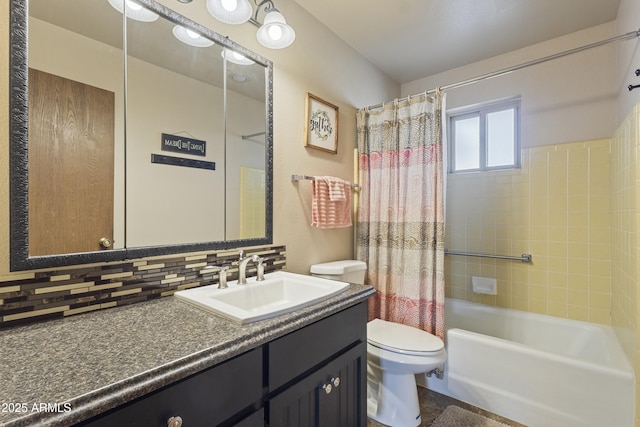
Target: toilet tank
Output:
{"points": [[351, 271]]}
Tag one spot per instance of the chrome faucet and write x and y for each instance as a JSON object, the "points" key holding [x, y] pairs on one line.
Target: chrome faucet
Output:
{"points": [[242, 268]]}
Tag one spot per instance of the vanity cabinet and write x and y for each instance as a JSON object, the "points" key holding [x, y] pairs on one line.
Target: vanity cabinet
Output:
{"points": [[315, 376], [227, 394], [330, 396]]}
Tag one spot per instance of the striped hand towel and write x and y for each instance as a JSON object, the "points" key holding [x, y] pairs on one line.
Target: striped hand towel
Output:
{"points": [[331, 204]]}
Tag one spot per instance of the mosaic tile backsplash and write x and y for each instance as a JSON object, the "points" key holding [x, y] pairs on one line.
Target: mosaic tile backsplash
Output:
{"points": [[72, 290]]}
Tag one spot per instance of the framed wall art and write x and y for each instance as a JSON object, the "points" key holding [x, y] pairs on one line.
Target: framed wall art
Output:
{"points": [[321, 128]]}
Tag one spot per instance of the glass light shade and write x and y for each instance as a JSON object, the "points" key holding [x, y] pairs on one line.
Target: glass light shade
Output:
{"points": [[230, 11], [190, 37], [240, 78], [235, 57], [134, 10], [275, 33]]}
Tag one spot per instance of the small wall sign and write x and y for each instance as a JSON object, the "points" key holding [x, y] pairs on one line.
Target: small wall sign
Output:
{"points": [[181, 144], [321, 127]]}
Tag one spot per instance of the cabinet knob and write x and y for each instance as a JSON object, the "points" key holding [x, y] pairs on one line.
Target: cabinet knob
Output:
{"points": [[174, 422], [327, 388], [105, 243], [335, 381]]}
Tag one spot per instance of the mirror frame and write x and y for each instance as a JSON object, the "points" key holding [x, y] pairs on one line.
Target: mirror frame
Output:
{"points": [[18, 158]]}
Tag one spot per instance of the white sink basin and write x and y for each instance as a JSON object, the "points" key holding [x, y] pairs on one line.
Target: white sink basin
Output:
{"points": [[281, 292]]}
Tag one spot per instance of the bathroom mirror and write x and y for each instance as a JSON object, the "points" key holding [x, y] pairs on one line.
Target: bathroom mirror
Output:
{"points": [[125, 150]]}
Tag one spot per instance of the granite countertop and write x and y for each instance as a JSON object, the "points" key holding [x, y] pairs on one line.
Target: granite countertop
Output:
{"points": [[65, 371]]}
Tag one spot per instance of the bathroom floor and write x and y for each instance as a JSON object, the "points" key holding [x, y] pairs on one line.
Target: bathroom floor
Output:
{"points": [[433, 404]]}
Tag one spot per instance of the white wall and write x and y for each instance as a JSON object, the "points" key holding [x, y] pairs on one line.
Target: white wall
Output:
{"points": [[628, 59], [564, 100]]}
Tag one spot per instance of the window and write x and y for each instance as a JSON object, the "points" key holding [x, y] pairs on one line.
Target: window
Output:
{"points": [[485, 137]]}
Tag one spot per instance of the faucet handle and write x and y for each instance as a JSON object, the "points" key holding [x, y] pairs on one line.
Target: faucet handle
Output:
{"points": [[241, 257], [222, 274], [222, 277], [260, 270]]}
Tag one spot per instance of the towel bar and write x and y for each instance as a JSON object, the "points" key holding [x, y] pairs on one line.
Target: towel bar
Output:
{"points": [[296, 178]]}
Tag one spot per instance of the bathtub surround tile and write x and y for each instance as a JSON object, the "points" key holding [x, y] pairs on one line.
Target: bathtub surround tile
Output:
{"points": [[556, 207], [67, 291]]}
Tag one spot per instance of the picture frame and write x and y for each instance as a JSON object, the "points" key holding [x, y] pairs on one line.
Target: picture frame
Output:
{"points": [[321, 125]]}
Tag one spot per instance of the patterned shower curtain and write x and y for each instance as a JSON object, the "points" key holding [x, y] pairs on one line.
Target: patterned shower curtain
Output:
{"points": [[401, 212]]}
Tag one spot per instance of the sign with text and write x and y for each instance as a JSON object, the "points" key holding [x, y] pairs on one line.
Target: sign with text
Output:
{"points": [[181, 144]]}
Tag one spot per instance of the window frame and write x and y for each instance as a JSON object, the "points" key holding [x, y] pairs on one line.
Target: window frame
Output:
{"points": [[481, 111]]}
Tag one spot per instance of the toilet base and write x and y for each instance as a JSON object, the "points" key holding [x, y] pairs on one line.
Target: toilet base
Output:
{"points": [[394, 401]]}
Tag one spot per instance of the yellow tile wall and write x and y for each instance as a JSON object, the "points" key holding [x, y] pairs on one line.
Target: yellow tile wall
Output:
{"points": [[556, 207], [252, 202], [625, 220]]}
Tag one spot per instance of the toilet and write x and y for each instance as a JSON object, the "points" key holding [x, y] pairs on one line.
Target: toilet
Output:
{"points": [[395, 354]]}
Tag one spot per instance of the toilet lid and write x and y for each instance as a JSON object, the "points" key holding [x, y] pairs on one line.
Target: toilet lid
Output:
{"points": [[401, 338]]}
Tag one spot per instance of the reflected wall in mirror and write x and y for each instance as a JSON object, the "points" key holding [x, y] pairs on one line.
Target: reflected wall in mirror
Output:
{"points": [[176, 89], [246, 148], [96, 171]]}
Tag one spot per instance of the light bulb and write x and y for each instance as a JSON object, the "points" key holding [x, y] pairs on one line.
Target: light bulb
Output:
{"points": [[275, 32], [229, 5], [133, 5], [192, 34], [237, 56]]}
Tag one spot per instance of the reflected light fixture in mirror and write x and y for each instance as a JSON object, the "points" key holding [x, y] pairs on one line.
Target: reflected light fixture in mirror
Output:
{"points": [[273, 33], [134, 10], [240, 78], [190, 37], [235, 57]]}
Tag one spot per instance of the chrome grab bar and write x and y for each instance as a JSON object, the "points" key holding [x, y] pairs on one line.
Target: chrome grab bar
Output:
{"points": [[524, 257]]}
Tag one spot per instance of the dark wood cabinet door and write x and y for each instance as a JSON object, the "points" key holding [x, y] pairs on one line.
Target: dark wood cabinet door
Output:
{"points": [[223, 395], [334, 395]]}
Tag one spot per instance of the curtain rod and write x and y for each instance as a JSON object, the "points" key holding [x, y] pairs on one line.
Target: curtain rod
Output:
{"points": [[628, 36]]}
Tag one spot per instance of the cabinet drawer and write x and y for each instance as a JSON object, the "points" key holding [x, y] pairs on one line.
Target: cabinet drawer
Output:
{"points": [[205, 399], [300, 351]]}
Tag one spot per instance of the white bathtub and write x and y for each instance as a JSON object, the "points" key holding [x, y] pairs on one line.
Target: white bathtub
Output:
{"points": [[534, 369]]}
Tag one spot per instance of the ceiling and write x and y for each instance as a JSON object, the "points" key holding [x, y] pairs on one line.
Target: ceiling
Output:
{"points": [[411, 39]]}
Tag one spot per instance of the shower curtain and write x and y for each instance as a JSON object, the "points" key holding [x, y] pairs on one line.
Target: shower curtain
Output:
{"points": [[401, 212]]}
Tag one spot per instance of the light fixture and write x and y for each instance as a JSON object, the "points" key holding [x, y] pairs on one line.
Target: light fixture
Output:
{"points": [[190, 37], [240, 78], [274, 32], [230, 11], [134, 10], [235, 57]]}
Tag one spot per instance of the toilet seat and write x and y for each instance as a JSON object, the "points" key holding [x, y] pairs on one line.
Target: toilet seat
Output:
{"points": [[403, 339]]}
